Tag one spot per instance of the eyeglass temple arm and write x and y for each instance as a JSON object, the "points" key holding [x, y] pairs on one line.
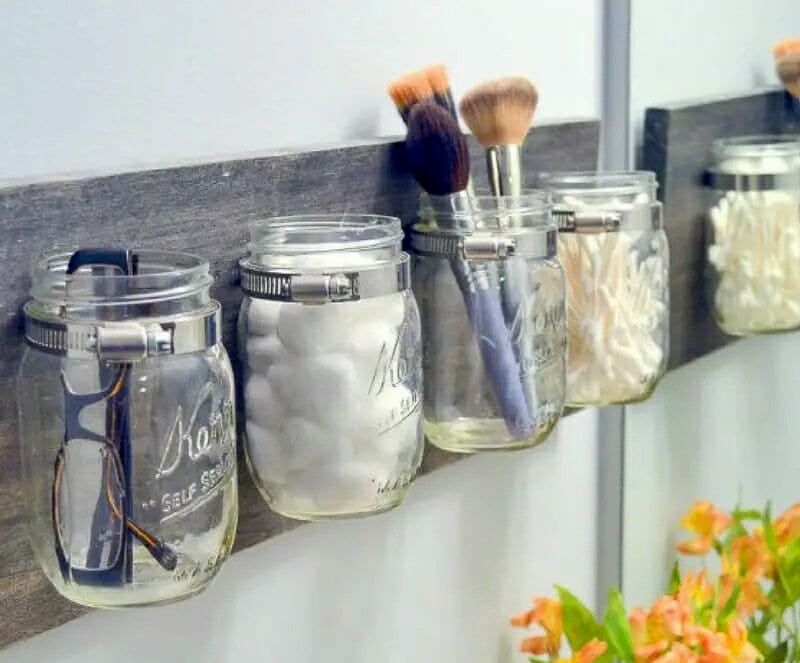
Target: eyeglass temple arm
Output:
{"points": [[161, 552]]}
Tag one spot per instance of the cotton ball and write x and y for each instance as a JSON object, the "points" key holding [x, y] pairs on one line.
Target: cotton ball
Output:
{"points": [[262, 352], [371, 345], [390, 309], [306, 329], [262, 317], [323, 387], [261, 404], [267, 453], [308, 444]]}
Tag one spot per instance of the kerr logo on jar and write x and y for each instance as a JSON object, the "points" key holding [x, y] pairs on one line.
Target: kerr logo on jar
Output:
{"points": [[199, 454]]}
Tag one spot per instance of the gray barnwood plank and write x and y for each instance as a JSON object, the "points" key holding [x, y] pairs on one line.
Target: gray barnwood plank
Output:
{"points": [[677, 146], [204, 209]]}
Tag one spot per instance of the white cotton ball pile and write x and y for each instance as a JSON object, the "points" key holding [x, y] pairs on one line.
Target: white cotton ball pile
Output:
{"points": [[331, 422], [756, 252], [615, 308]]}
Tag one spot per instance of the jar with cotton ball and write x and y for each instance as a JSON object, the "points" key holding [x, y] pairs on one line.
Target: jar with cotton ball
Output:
{"points": [[330, 335], [615, 255], [754, 234], [491, 294]]}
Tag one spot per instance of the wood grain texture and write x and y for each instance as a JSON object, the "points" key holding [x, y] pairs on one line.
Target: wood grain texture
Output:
{"points": [[677, 147], [203, 209]]}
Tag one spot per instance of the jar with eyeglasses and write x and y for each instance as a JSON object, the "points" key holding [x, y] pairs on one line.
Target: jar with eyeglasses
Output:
{"points": [[126, 424]]}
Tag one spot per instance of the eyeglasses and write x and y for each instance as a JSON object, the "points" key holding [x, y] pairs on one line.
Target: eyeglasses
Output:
{"points": [[91, 505]]}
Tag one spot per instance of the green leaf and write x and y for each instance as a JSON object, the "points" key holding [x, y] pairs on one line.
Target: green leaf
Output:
{"points": [[734, 532], [580, 626], [769, 531], [617, 630], [778, 655], [757, 639], [533, 659], [746, 514], [675, 578], [730, 605], [789, 570]]}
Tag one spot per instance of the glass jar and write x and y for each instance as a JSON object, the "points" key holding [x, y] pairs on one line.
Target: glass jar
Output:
{"points": [[616, 259], [127, 427], [330, 336], [491, 292], [754, 234]]}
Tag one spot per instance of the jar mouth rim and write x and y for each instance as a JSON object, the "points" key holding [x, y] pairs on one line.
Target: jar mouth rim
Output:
{"points": [[619, 182], [171, 264], [316, 233], [163, 275], [756, 144]]}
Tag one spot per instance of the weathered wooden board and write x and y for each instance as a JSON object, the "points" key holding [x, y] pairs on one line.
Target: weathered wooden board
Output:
{"points": [[202, 209], [677, 146]]}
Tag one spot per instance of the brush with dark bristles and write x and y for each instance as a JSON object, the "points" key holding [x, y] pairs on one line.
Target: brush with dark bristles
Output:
{"points": [[437, 155], [787, 64], [499, 114]]}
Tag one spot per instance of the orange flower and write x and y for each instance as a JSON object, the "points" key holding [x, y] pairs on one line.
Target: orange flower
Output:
{"points": [[787, 525], [750, 555], [666, 619], [546, 612], [651, 651], [589, 653], [705, 520], [678, 653], [694, 590], [536, 645], [740, 648], [712, 647]]}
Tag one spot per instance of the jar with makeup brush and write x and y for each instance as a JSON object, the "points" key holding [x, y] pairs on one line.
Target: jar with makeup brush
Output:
{"points": [[330, 335], [754, 234], [126, 425], [616, 261], [491, 294]]}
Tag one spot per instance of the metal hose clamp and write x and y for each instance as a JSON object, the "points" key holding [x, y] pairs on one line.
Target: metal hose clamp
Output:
{"points": [[124, 341], [325, 287]]}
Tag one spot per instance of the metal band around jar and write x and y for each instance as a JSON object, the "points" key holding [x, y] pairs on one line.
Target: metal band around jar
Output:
{"points": [[485, 245], [124, 341], [325, 287], [722, 181], [597, 220]]}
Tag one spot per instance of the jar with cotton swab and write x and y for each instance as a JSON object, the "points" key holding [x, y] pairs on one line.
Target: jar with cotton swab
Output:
{"points": [[615, 255], [754, 234], [330, 334]]}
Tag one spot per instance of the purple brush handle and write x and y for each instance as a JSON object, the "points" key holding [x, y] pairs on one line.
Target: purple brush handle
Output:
{"points": [[494, 340]]}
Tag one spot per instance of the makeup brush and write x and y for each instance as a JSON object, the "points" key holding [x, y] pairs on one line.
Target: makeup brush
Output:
{"points": [[499, 114], [787, 64], [408, 90], [438, 157], [440, 84], [428, 84]]}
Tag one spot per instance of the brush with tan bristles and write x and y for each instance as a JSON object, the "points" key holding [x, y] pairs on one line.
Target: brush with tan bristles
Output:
{"points": [[787, 64], [499, 113]]}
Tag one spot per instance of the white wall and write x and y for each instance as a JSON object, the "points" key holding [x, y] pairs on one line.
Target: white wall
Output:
{"points": [[92, 85], [684, 49], [724, 427]]}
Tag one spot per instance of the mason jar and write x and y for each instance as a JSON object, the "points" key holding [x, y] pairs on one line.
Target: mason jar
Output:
{"points": [[615, 255], [127, 431], [491, 294], [330, 336], [754, 234]]}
